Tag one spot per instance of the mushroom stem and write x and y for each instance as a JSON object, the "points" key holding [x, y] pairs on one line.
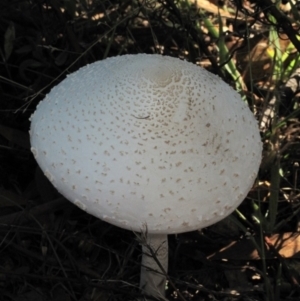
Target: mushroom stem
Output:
{"points": [[154, 265]]}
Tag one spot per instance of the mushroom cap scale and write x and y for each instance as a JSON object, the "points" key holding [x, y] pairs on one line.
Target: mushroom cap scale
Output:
{"points": [[150, 140]]}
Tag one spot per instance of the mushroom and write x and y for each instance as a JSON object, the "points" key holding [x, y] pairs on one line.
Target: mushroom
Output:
{"points": [[148, 142]]}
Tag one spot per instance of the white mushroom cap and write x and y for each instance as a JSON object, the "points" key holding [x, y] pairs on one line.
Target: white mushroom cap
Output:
{"points": [[150, 140]]}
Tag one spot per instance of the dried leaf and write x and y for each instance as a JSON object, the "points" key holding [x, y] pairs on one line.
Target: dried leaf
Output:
{"points": [[30, 63], [61, 58], [286, 244], [9, 38]]}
